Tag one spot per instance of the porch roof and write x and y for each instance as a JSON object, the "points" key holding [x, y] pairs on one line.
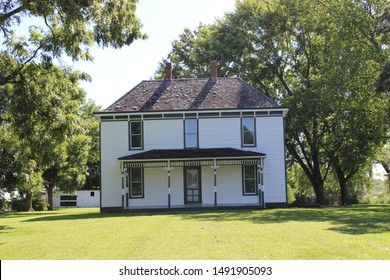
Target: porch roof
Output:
{"points": [[197, 156]]}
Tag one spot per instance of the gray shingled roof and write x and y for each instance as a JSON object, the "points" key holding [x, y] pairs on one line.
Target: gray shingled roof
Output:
{"points": [[192, 94]]}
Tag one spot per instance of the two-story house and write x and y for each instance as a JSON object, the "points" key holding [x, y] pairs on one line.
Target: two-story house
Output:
{"points": [[207, 142]]}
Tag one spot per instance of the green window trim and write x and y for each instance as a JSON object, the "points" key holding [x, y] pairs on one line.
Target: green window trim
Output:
{"points": [[136, 141], [191, 133], [248, 132], [249, 180], [136, 183]]}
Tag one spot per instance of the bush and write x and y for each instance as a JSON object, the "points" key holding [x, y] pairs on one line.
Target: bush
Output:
{"points": [[39, 204], [4, 204], [383, 198], [304, 200], [18, 204]]}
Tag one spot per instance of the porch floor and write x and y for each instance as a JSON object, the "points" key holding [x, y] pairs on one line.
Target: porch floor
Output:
{"points": [[194, 207]]}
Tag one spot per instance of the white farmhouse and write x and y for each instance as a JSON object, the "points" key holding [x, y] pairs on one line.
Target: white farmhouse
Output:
{"points": [[175, 143]]}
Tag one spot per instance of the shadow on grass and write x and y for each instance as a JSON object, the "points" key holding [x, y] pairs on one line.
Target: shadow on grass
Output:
{"points": [[5, 229], [358, 219]]}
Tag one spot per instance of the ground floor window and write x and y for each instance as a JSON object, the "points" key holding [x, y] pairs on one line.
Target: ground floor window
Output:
{"points": [[249, 174], [136, 182]]}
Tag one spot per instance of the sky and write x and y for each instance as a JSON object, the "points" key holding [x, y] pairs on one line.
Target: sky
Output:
{"points": [[115, 72]]}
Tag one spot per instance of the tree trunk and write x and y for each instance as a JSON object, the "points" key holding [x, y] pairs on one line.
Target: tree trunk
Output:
{"points": [[28, 206], [49, 189], [343, 186], [387, 169], [320, 193], [314, 174]]}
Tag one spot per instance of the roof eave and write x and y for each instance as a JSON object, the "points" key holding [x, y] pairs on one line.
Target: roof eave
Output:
{"points": [[191, 159], [284, 109]]}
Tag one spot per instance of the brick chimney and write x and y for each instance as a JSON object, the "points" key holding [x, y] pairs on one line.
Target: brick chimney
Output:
{"points": [[168, 71], [214, 70]]}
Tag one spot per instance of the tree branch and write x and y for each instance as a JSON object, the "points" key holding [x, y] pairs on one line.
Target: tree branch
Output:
{"points": [[4, 17], [17, 71]]}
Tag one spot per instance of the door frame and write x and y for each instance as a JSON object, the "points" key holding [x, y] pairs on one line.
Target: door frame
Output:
{"points": [[198, 168]]}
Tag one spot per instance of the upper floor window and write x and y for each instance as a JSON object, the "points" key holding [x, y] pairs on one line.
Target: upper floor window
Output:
{"points": [[248, 132], [190, 133], [135, 135]]}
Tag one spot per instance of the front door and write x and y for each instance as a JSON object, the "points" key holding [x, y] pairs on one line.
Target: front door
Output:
{"points": [[192, 186]]}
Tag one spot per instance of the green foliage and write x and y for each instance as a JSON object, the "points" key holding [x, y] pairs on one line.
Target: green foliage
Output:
{"points": [[4, 204], [64, 27], [47, 131], [379, 194], [92, 180], [320, 59], [18, 204], [47, 138]]}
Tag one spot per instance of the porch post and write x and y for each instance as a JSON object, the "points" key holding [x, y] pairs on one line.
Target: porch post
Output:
{"points": [[123, 185], [169, 168], [215, 167], [260, 167]]}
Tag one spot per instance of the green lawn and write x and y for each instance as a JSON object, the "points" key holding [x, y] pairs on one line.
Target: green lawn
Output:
{"points": [[353, 232]]}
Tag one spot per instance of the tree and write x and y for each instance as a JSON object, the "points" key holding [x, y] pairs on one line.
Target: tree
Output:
{"points": [[384, 160], [92, 180], [45, 136], [61, 27], [44, 115], [383, 82], [318, 58]]}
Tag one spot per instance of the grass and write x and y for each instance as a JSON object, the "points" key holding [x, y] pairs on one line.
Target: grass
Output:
{"points": [[334, 233]]}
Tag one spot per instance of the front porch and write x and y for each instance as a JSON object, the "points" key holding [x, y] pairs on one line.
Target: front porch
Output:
{"points": [[192, 179], [188, 208]]}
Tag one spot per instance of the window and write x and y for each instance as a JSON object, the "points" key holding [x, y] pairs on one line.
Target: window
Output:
{"points": [[248, 132], [136, 182], [68, 200], [250, 180], [190, 133], [92, 193], [135, 135]]}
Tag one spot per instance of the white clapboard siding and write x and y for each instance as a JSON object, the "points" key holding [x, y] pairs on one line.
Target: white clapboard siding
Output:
{"points": [[270, 140], [229, 186], [213, 133], [163, 134], [84, 198], [219, 132], [156, 188], [114, 144]]}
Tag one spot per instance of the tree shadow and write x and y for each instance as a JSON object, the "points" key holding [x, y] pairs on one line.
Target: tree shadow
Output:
{"points": [[348, 220], [97, 215], [354, 220], [5, 229]]}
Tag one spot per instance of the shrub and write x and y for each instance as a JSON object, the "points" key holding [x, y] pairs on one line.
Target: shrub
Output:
{"points": [[4, 204], [304, 200], [18, 204], [382, 198], [39, 204]]}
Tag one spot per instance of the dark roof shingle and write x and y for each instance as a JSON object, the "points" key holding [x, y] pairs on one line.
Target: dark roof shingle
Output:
{"points": [[192, 94]]}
